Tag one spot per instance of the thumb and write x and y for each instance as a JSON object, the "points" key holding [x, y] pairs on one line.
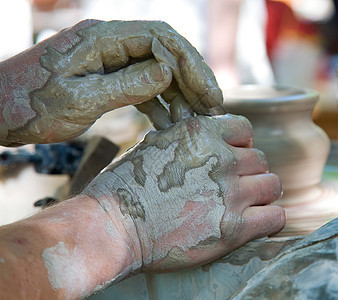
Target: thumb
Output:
{"points": [[141, 82]]}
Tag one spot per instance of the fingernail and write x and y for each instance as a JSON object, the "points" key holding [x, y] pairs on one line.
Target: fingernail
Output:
{"points": [[163, 55], [160, 73]]}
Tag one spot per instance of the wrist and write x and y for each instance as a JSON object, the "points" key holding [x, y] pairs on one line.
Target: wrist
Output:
{"points": [[118, 217], [110, 253]]}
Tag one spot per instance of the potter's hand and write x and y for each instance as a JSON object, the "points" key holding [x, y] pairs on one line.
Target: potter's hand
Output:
{"points": [[57, 89], [191, 193]]}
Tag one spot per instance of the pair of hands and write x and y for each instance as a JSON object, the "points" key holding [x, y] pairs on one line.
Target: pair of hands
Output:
{"points": [[187, 193]]}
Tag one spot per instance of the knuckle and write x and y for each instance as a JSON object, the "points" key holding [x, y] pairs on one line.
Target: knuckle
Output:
{"points": [[163, 25], [231, 158], [245, 124], [239, 124], [261, 156], [84, 24], [87, 22], [259, 153], [240, 119]]}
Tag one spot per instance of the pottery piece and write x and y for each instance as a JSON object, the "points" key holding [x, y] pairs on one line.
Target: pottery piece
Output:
{"points": [[307, 270], [296, 149]]}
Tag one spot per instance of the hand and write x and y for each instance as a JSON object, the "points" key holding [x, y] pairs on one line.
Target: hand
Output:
{"points": [[57, 89], [191, 193], [183, 197]]}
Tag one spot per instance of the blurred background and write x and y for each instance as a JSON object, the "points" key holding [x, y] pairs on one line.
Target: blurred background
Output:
{"points": [[289, 43]]}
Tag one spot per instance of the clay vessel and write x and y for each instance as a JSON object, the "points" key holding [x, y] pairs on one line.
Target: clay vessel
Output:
{"points": [[296, 148]]}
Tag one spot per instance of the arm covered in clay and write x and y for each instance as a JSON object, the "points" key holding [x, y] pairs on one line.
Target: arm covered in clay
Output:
{"points": [[57, 89], [182, 197]]}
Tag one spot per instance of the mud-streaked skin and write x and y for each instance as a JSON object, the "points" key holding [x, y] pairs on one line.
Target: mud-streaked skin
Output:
{"points": [[57, 89], [182, 197], [189, 193]]}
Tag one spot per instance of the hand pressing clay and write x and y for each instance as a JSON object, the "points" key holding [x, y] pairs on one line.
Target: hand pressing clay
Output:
{"points": [[190, 193]]}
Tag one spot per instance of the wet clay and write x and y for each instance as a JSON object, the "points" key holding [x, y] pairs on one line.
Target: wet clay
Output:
{"points": [[308, 270]]}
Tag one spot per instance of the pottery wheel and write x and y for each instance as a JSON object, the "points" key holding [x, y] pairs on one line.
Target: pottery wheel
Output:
{"points": [[306, 213]]}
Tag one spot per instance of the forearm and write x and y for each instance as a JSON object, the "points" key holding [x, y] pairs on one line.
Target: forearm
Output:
{"points": [[66, 252]]}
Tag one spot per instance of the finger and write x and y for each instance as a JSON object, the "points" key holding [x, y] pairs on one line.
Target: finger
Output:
{"points": [[195, 79], [156, 112], [96, 94], [239, 131], [218, 110], [180, 109], [259, 189], [119, 40], [235, 130], [250, 161], [261, 221], [178, 106]]}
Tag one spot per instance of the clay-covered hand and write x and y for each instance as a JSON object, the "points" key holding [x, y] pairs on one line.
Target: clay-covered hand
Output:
{"points": [[58, 88], [191, 193]]}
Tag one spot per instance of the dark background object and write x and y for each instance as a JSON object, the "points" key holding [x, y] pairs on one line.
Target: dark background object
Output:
{"points": [[58, 158]]}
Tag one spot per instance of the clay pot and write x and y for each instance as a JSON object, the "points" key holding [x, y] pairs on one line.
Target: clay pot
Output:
{"points": [[296, 148]]}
